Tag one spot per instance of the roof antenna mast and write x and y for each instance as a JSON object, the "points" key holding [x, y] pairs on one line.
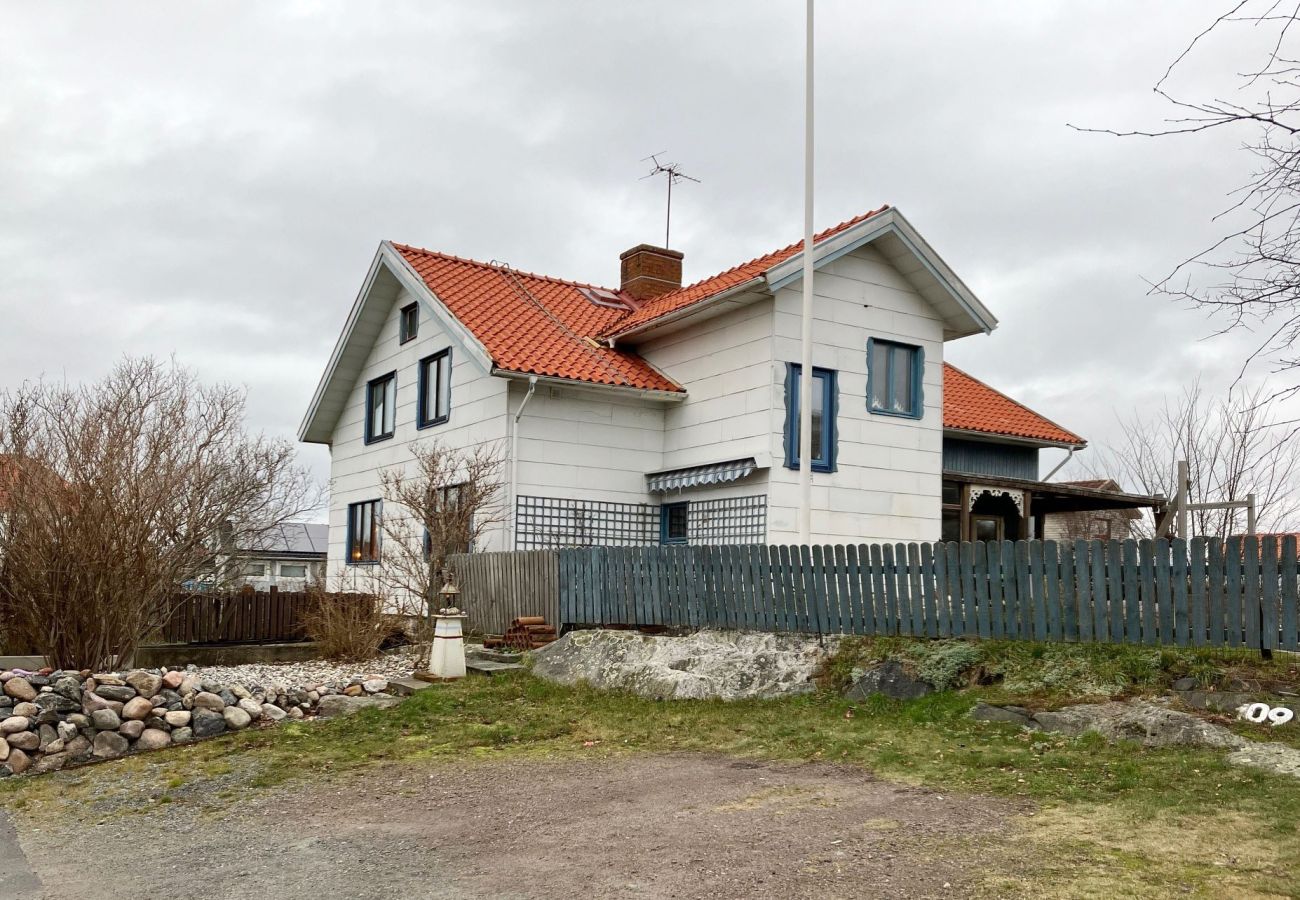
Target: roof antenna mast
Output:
{"points": [[674, 174]]}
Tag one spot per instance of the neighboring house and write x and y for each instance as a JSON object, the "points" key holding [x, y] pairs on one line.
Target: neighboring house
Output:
{"points": [[289, 558], [656, 413], [1094, 524]]}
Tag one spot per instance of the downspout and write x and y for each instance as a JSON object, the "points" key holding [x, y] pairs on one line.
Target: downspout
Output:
{"points": [[514, 462], [1068, 456]]}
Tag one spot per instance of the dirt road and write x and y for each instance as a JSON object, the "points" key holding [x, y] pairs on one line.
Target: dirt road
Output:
{"points": [[674, 826]]}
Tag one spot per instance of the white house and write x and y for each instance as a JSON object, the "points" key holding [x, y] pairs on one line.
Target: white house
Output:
{"points": [[661, 413], [290, 557]]}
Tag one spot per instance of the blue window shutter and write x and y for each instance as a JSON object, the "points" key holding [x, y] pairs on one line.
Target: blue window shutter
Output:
{"points": [[831, 408], [918, 395], [791, 417]]}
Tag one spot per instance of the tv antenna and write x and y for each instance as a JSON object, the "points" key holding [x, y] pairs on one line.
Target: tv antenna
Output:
{"points": [[674, 174]]}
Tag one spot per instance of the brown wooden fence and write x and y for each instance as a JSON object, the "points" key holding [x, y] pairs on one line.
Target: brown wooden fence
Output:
{"points": [[498, 587], [245, 617]]}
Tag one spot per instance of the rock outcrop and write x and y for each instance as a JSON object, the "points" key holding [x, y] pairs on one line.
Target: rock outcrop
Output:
{"points": [[725, 665]]}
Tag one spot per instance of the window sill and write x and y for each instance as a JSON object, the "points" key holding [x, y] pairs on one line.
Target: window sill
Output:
{"points": [[404, 341], [362, 562], [893, 414], [821, 468], [380, 438], [433, 423]]}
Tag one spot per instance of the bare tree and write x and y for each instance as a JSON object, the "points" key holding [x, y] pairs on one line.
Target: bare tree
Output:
{"points": [[1234, 446], [1252, 274], [118, 492], [444, 506]]}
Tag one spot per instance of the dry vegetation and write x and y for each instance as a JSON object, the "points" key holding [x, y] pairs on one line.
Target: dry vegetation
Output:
{"points": [[116, 493]]}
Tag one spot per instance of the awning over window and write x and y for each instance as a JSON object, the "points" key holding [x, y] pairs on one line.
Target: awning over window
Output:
{"points": [[699, 476]]}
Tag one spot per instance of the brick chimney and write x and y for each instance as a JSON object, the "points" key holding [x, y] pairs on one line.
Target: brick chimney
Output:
{"points": [[650, 271]]}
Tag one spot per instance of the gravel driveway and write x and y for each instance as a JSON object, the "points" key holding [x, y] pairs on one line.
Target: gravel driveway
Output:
{"points": [[680, 826]]}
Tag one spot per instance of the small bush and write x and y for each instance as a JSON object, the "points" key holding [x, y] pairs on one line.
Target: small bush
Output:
{"points": [[346, 626]]}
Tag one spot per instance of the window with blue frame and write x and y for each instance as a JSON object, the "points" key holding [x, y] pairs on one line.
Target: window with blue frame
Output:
{"points": [[363, 533], [434, 405], [674, 523], [381, 407], [410, 323], [894, 378], [824, 410]]}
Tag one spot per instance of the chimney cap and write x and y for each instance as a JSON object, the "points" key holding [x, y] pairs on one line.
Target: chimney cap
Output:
{"points": [[662, 251]]}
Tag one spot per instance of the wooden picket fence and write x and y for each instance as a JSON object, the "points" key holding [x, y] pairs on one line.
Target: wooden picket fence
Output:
{"points": [[1238, 593], [243, 617], [500, 587]]}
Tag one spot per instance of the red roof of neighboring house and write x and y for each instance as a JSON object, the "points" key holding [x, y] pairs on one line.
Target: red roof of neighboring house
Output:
{"points": [[531, 323], [709, 287], [971, 405]]}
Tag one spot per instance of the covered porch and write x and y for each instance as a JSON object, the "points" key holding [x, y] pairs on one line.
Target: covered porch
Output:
{"points": [[996, 508]]}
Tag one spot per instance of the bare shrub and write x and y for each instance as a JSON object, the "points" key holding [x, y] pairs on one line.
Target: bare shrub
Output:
{"points": [[442, 507], [345, 626], [118, 492]]}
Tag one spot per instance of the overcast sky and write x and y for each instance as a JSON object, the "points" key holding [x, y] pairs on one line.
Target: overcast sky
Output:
{"points": [[211, 180]]}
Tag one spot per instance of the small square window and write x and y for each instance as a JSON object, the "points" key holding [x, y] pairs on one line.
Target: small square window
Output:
{"points": [[674, 523], [894, 378], [410, 322], [363, 533], [381, 407], [434, 406], [255, 570], [293, 570]]}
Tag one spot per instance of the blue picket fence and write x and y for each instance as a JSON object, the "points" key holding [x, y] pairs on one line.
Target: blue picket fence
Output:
{"points": [[1236, 593]]}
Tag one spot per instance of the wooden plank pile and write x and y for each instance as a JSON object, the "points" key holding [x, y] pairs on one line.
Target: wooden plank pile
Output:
{"points": [[524, 633]]}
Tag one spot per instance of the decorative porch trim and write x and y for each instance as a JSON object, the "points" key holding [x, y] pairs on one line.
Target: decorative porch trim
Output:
{"points": [[977, 491]]}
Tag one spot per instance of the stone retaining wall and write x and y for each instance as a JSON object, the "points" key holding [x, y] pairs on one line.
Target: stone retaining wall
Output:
{"points": [[51, 719]]}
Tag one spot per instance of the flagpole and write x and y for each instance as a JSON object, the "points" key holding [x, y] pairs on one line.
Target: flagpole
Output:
{"points": [[805, 336]]}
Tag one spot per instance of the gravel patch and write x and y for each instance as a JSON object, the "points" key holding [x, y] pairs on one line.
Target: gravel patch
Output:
{"points": [[399, 663]]}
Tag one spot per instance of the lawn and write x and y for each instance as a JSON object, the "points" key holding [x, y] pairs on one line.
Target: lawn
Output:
{"points": [[1108, 819]]}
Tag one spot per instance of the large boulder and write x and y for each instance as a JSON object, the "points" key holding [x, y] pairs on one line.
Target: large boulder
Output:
{"points": [[343, 705], [892, 680], [1149, 724], [119, 692], [145, 683], [137, 708], [20, 688], [209, 700], [110, 745], [206, 723], [152, 739], [726, 665]]}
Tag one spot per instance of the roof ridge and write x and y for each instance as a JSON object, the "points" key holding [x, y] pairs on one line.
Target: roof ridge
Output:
{"points": [[788, 248], [1015, 402], [500, 267]]}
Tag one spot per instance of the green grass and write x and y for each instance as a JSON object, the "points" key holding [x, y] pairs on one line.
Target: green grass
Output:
{"points": [[1180, 805]]}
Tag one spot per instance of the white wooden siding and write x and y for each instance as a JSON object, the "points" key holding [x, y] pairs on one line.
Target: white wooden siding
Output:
{"points": [[888, 479], [478, 416]]}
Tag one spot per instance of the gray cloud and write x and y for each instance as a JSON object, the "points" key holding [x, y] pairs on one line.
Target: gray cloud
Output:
{"points": [[211, 180]]}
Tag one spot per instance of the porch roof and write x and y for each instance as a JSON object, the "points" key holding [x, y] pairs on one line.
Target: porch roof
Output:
{"points": [[1052, 497]]}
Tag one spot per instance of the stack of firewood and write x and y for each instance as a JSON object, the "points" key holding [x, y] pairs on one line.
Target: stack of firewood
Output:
{"points": [[524, 633]]}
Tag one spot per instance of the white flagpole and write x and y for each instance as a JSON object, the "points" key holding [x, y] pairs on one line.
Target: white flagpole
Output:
{"points": [[805, 337]]}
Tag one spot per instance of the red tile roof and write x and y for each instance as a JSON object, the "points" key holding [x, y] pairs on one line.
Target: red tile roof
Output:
{"points": [[709, 287], [971, 405], [531, 323], [540, 325]]}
